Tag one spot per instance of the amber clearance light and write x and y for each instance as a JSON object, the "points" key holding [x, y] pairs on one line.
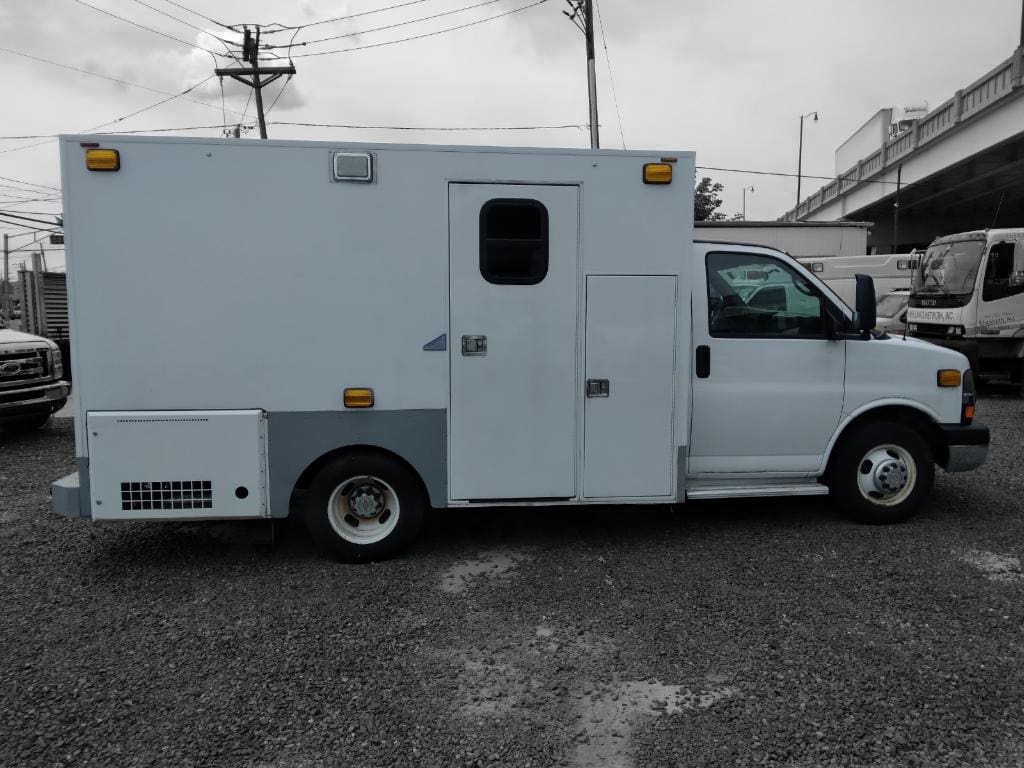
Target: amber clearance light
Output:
{"points": [[102, 159], [361, 397]]}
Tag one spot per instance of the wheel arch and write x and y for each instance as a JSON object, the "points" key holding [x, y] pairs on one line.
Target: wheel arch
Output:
{"points": [[305, 478], [924, 421]]}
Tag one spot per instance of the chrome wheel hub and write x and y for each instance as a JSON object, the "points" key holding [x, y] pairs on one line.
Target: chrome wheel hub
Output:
{"points": [[886, 475]]}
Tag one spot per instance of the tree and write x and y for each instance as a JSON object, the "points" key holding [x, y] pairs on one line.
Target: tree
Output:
{"points": [[706, 201]]}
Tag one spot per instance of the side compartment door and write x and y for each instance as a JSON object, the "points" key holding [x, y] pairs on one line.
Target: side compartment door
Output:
{"points": [[514, 281], [630, 384], [768, 383]]}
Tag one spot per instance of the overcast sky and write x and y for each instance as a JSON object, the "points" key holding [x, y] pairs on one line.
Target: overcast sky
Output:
{"points": [[726, 78]]}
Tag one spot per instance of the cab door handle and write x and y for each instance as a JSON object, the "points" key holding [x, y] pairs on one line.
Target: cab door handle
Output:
{"points": [[703, 361]]}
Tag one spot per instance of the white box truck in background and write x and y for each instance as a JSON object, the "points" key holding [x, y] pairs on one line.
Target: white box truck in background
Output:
{"points": [[890, 272], [461, 327], [968, 295]]}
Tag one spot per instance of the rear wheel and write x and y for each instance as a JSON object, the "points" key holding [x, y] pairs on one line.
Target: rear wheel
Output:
{"points": [[364, 507], [882, 472]]}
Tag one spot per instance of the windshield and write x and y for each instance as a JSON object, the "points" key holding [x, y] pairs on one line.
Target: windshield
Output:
{"points": [[892, 304], [949, 267]]}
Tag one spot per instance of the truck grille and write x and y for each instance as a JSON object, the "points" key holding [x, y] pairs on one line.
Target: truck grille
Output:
{"points": [[21, 368], [931, 331]]}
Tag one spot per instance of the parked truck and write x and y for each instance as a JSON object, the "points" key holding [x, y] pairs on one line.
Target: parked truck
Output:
{"points": [[462, 327], [968, 295], [889, 271], [31, 380]]}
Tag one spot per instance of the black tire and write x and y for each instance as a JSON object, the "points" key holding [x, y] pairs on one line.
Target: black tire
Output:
{"points": [[26, 424], [862, 457], [378, 481]]}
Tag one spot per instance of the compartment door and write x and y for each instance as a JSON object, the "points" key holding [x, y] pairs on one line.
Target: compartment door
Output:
{"points": [[630, 384], [513, 349], [177, 465]]}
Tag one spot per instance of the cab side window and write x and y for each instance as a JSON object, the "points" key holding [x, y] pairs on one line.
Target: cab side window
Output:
{"points": [[1004, 272], [752, 296]]}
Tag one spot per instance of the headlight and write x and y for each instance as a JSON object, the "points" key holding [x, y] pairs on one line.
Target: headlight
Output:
{"points": [[56, 363], [955, 330], [912, 327]]}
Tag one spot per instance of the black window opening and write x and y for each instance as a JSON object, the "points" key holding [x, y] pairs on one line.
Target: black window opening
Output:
{"points": [[513, 242]]}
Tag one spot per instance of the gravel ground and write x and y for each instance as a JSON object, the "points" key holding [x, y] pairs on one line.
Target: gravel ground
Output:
{"points": [[753, 633]]}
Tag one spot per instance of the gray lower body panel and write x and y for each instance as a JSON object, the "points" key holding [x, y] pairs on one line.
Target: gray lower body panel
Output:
{"points": [[296, 439]]}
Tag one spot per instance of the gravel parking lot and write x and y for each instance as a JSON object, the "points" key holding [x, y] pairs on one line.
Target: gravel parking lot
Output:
{"points": [[753, 633]]}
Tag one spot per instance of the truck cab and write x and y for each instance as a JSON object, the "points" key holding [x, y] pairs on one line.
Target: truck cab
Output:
{"points": [[31, 380], [968, 295]]}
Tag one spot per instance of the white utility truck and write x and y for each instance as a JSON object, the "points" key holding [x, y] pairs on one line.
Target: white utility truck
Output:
{"points": [[31, 380], [889, 271], [389, 328], [968, 295]]}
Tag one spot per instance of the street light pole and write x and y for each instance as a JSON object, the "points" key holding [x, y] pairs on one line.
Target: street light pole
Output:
{"points": [[745, 201], [800, 158]]}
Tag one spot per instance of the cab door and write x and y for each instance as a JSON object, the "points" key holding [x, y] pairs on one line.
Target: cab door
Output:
{"points": [[767, 381], [1002, 292]]}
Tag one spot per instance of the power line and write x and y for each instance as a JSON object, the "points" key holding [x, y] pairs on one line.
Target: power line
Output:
{"points": [[433, 128], [28, 218], [274, 102], [426, 34], [111, 79], [611, 76], [148, 29], [222, 41], [29, 183], [201, 16], [387, 26], [788, 175], [285, 28]]}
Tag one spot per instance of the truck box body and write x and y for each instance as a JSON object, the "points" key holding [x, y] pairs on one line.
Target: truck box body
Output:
{"points": [[222, 275]]}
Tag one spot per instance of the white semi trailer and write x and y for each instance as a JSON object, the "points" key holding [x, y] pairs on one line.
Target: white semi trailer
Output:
{"points": [[968, 295], [461, 327]]}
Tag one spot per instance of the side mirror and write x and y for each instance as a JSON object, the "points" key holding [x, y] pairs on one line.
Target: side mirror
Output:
{"points": [[1017, 279], [865, 304]]}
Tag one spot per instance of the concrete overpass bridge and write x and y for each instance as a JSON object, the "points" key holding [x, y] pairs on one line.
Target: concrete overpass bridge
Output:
{"points": [[960, 167]]}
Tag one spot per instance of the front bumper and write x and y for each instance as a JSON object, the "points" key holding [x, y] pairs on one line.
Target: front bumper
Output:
{"points": [[48, 398], [966, 446]]}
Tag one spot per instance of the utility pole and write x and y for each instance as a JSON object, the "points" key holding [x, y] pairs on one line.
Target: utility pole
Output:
{"points": [[896, 210], [254, 77], [585, 9], [800, 161], [745, 201], [7, 279]]}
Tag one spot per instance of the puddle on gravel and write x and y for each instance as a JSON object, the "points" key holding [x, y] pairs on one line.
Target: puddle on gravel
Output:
{"points": [[607, 715], [490, 564], [1002, 568]]}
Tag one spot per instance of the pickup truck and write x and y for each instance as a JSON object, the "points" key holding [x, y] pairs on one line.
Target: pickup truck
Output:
{"points": [[31, 381]]}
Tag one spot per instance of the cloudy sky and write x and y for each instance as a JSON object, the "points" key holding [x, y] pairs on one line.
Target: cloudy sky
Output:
{"points": [[726, 78]]}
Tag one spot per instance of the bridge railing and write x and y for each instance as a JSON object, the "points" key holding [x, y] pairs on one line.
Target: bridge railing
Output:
{"points": [[965, 103]]}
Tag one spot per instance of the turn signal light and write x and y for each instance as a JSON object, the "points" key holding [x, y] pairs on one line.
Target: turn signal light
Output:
{"points": [[657, 173], [359, 398], [968, 416], [102, 159], [948, 378]]}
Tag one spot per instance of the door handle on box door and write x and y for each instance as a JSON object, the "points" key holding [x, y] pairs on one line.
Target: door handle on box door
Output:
{"points": [[474, 346], [597, 388], [703, 361]]}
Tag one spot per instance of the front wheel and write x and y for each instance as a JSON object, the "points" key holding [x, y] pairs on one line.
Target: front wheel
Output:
{"points": [[881, 473], [365, 507]]}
